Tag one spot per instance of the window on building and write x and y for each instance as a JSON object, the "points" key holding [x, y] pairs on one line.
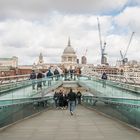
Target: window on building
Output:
{"points": [[69, 58]]}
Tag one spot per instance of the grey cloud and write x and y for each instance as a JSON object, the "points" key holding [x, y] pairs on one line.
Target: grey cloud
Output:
{"points": [[51, 39], [40, 8], [128, 20], [14, 44]]}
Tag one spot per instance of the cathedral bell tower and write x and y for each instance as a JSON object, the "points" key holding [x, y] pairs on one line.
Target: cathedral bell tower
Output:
{"points": [[41, 61]]}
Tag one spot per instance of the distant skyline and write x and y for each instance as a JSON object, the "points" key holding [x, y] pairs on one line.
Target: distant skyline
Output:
{"points": [[32, 26]]}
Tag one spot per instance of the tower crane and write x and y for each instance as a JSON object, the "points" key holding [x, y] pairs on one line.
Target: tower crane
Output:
{"points": [[102, 47], [85, 52], [124, 59]]}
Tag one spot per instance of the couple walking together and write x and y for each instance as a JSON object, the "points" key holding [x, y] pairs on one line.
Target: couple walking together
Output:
{"points": [[63, 100]]}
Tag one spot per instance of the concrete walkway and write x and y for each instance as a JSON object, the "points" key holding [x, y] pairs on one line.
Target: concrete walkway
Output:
{"points": [[60, 125]]}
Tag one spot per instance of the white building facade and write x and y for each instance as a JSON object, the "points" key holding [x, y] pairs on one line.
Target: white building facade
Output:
{"points": [[9, 62], [69, 57]]}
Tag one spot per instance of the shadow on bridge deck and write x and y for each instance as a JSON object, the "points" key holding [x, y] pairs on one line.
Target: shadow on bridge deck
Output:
{"points": [[60, 125]]}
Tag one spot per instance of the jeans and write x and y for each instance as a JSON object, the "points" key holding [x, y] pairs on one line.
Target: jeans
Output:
{"points": [[72, 105], [56, 103], [104, 83], [33, 84], [79, 100]]}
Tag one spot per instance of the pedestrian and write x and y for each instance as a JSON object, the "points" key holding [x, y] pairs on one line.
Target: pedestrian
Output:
{"points": [[44, 78], [39, 80], [56, 74], [49, 77], [71, 73], [61, 100], [65, 98], [66, 74], [79, 97], [33, 78], [72, 101], [104, 78], [56, 99], [78, 73]]}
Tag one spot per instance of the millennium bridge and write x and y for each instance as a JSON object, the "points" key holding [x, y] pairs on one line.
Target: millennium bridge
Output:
{"points": [[109, 112]]}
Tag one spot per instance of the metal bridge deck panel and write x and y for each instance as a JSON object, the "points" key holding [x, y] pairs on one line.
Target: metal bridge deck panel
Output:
{"points": [[55, 124]]}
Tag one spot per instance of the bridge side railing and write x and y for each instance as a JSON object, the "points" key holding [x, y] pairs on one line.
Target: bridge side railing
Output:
{"points": [[12, 79], [125, 79], [15, 82], [114, 83], [126, 110], [121, 78], [116, 99], [22, 108]]}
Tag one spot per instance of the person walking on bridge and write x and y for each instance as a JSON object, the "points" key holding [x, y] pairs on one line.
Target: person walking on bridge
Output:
{"points": [[79, 97], [56, 99], [104, 78], [49, 77], [72, 101], [39, 80], [33, 78]]}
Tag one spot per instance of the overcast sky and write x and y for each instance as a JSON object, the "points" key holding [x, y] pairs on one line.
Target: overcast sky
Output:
{"points": [[29, 27]]}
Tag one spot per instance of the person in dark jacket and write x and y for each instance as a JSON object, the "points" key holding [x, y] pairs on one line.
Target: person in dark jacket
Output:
{"points": [[44, 78], [56, 74], [72, 101], [79, 97], [71, 73], [33, 77], [49, 77], [66, 74], [56, 99], [61, 99], [65, 97], [104, 78], [39, 80]]}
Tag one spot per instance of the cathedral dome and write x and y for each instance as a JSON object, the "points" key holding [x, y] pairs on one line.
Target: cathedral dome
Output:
{"points": [[69, 50], [69, 57]]}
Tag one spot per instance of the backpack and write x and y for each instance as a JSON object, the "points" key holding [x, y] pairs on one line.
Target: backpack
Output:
{"points": [[49, 74], [33, 76], [104, 76]]}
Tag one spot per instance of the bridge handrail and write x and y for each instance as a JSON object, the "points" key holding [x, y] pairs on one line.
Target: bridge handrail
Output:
{"points": [[109, 79], [32, 100], [11, 113], [102, 99], [18, 84], [16, 78], [120, 78]]}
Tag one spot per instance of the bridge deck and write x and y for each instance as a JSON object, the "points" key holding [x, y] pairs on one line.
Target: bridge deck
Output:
{"points": [[60, 125]]}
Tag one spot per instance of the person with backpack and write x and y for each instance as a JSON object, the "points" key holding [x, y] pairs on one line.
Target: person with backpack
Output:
{"points": [[49, 77], [33, 77], [39, 80], [104, 78], [56, 74]]}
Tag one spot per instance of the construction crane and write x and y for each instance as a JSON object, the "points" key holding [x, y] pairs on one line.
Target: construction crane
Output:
{"points": [[102, 47], [85, 53], [124, 59]]}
